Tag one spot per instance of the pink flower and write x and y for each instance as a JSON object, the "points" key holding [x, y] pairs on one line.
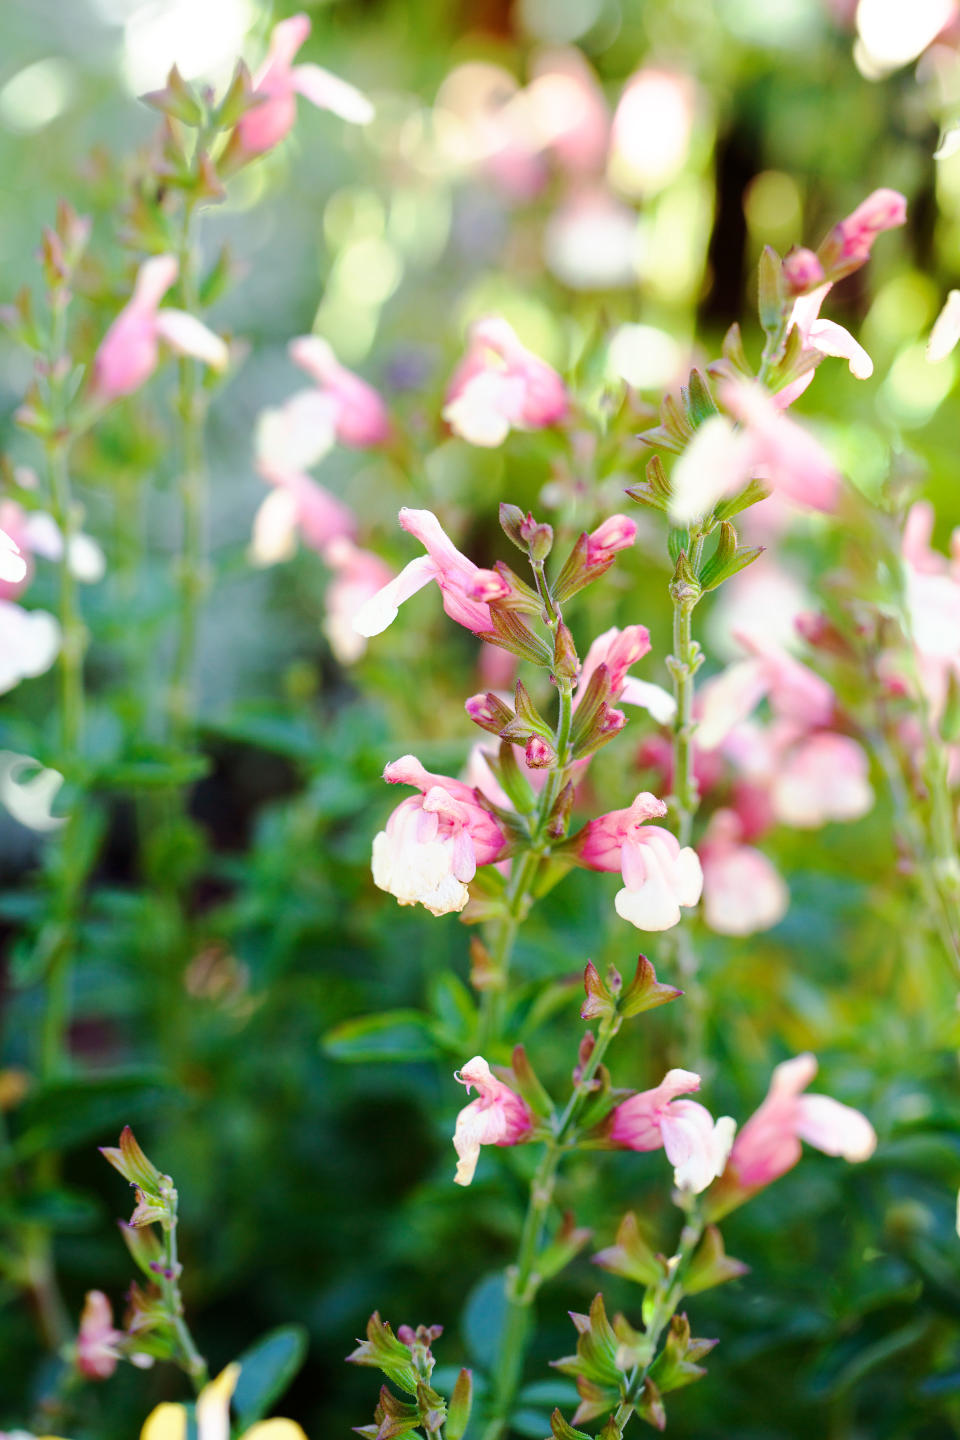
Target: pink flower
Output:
{"points": [[769, 1143], [652, 129], [465, 589], [826, 338], [802, 271], [780, 450], [129, 351], [696, 1145], [821, 778], [357, 575], [498, 1116], [501, 386], [97, 1340], [658, 875], [796, 693], [298, 505], [278, 82], [359, 414], [742, 890], [434, 842], [567, 111], [619, 650], [849, 243], [13, 567]]}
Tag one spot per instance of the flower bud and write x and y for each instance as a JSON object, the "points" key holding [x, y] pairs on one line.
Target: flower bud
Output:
{"points": [[539, 753], [489, 712], [802, 271]]}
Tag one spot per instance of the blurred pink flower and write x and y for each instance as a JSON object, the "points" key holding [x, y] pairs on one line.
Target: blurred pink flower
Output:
{"points": [[357, 575], [298, 505], [568, 111], [825, 337], [652, 130], [97, 1340], [13, 566], [822, 777], [498, 1116], [658, 875], [501, 386], [849, 243], [129, 351], [465, 588], [29, 643], [780, 450], [359, 415], [278, 82], [433, 842], [619, 650], [802, 270], [796, 693], [696, 1145], [743, 892], [768, 1145]]}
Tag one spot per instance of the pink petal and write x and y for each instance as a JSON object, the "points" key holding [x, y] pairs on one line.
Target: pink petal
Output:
{"points": [[380, 610], [329, 92], [189, 336], [834, 1128]]}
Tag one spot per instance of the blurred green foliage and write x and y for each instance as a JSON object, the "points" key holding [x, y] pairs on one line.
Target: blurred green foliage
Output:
{"points": [[314, 1190]]}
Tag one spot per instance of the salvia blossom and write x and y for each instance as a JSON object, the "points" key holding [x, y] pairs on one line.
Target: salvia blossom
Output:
{"points": [[13, 567], [465, 589], [768, 1145], [619, 650], [212, 1410], [743, 892], [658, 875], [360, 417], [946, 330], [97, 1339], [434, 841], [825, 337], [721, 459], [298, 505], [652, 129], [822, 777], [849, 243], [29, 643], [696, 1145], [796, 693], [501, 386], [357, 575], [292, 437], [277, 84], [130, 350], [498, 1116]]}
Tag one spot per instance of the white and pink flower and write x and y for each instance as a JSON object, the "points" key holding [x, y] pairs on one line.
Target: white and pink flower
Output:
{"points": [[501, 386], [465, 588], [130, 350], [659, 876], [434, 842], [696, 1145], [498, 1116], [277, 84], [358, 413]]}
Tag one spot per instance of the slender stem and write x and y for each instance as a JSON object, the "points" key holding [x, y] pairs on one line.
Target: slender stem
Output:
{"points": [[70, 668], [683, 665], [191, 563], [191, 1359], [666, 1298], [523, 872], [522, 1279]]}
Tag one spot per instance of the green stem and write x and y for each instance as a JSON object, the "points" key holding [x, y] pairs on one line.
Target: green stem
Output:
{"points": [[683, 665], [191, 562], [190, 1357], [523, 872], [522, 1279], [667, 1297]]}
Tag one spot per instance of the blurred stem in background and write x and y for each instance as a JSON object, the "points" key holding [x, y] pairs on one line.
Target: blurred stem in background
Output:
{"points": [[523, 1280], [191, 561], [683, 664]]}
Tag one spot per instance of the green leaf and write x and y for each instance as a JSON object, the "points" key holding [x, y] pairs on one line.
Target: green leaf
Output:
{"points": [[394, 1035], [266, 1369], [483, 1319], [67, 1113]]}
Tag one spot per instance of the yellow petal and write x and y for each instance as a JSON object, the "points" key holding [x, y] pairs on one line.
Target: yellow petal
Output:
{"points": [[275, 1430], [167, 1422], [213, 1405]]}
